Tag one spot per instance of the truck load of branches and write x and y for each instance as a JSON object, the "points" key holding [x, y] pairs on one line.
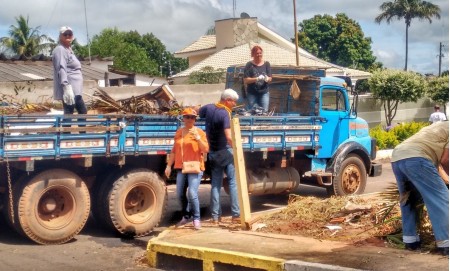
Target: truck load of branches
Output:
{"points": [[160, 101]]}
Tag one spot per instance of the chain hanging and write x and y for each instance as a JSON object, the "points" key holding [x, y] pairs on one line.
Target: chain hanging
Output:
{"points": [[10, 192]]}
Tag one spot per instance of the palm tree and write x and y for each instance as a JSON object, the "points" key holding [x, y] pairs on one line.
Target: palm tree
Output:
{"points": [[408, 10], [24, 40]]}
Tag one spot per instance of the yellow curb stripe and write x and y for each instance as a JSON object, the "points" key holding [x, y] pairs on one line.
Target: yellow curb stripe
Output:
{"points": [[210, 255]]}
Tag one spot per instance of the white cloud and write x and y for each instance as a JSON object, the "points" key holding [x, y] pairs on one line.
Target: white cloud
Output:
{"points": [[177, 23]]}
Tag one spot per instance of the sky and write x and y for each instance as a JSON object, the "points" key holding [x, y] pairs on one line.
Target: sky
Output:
{"points": [[178, 23]]}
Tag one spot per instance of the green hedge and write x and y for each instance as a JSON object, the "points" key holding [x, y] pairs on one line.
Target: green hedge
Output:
{"points": [[393, 137]]}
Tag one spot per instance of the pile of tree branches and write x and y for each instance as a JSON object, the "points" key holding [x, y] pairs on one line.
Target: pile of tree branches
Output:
{"points": [[158, 101]]}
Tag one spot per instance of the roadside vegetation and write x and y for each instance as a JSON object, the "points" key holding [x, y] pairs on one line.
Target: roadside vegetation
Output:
{"points": [[388, 139]]}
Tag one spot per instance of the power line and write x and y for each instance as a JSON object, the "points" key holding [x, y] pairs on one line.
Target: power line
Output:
{"points": [[87, 33], [51, 15]]}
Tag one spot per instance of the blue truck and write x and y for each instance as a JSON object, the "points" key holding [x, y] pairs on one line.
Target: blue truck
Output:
{"points": [[313, 132], [57, 170]]}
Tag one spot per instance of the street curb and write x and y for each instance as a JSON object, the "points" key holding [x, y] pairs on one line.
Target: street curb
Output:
{"points": [[211, 256], [296, 265]]}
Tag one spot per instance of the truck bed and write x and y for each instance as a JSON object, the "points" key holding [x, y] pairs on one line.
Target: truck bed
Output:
{"points": [[38, 137]]}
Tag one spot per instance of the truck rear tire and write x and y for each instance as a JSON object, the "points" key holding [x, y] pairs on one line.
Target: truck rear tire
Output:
{"points": [[133, 203], [51, 207], [351, 179]]}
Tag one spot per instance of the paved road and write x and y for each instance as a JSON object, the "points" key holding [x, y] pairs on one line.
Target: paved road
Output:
{"points": [[94, 249]]}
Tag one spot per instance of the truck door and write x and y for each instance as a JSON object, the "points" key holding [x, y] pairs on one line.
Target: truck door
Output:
{"points": [[335, 109]]}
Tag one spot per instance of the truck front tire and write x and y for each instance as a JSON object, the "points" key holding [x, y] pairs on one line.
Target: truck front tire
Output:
{"points": [[351, 178]]}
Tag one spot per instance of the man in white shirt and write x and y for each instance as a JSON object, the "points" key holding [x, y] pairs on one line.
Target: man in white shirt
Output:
{"points": [[437, 115]]}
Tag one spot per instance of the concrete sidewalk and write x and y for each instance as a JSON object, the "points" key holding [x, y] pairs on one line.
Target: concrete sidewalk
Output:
{"points": [[222, 248]]}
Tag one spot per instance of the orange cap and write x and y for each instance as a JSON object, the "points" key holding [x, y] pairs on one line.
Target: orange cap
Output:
{"points": [[189, 111]]}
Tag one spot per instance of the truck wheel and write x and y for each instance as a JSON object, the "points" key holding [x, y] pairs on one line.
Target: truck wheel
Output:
{"points": [[351, 179], [135, 202], [51, 207], [100, 190]]}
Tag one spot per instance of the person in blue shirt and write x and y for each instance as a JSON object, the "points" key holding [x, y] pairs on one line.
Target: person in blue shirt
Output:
{"points": [[218, 132]]}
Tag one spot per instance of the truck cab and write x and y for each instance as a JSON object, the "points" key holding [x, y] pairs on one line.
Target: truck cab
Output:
{"points": [[341, 153]]}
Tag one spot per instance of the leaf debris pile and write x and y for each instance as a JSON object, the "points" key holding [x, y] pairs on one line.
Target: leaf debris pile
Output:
{"points": [[355, 219]]}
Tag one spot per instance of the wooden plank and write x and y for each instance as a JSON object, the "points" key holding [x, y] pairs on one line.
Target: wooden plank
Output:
{"points": [[241, 176]]}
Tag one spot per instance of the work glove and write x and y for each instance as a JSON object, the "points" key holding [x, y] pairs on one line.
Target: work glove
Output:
{"points": [[68, 96], [266, 78], [194, 133], [260, 78]]}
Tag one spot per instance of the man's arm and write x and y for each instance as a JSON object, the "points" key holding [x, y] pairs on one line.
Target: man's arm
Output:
{"points": [[228, 136]]}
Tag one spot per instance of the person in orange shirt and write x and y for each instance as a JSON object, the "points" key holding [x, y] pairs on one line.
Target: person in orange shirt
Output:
{"points": [[190, 145]]}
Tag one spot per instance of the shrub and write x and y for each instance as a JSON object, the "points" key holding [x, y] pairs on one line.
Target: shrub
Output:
{"points": [[385, 139], [405, 130], [393, 137]]}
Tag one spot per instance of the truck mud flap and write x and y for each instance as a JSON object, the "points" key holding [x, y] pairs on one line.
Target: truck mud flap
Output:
{"points": [[375, 169]]}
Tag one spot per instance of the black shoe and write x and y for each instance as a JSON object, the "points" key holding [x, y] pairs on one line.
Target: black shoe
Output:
{"points": [[413, 246], [442, 250]]}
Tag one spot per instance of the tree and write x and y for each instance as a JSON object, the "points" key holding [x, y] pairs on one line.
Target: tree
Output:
{"points": [[25, 40], [135, 53], [207, 75], [393, 87], [79, 50], [407, 10], [437, 90], [339, 40], [134, 59]]}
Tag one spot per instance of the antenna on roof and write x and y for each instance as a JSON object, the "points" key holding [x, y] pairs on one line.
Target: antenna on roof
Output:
{"points": [[244, 15], [234, 8]]}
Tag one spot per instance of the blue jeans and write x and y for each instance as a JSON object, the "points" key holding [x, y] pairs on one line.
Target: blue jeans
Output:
{"points": [[79, 105], [261, 100], [216, 185], [189, 203], [423, 175]]}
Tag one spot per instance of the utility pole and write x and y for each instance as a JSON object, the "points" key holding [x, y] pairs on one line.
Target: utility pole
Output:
{"points": [[440, 57], [296, 36]]}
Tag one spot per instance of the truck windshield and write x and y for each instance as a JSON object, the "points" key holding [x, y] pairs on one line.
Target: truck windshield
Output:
{"points": [[333, 100]]}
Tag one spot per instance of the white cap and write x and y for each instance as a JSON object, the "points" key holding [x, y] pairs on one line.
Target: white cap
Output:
{"points": [[63, 29]]}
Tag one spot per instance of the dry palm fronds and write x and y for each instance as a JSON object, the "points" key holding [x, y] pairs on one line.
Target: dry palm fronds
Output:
{"points": [[314, 209], [309, 216], [12, 106], [157, 101], [389, 216]]}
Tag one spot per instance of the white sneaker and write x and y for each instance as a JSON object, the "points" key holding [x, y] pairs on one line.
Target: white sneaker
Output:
{"points": [[197, 224]]}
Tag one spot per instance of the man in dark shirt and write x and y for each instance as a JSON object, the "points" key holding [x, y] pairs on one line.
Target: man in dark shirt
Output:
{"points": [[218, 131]]}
